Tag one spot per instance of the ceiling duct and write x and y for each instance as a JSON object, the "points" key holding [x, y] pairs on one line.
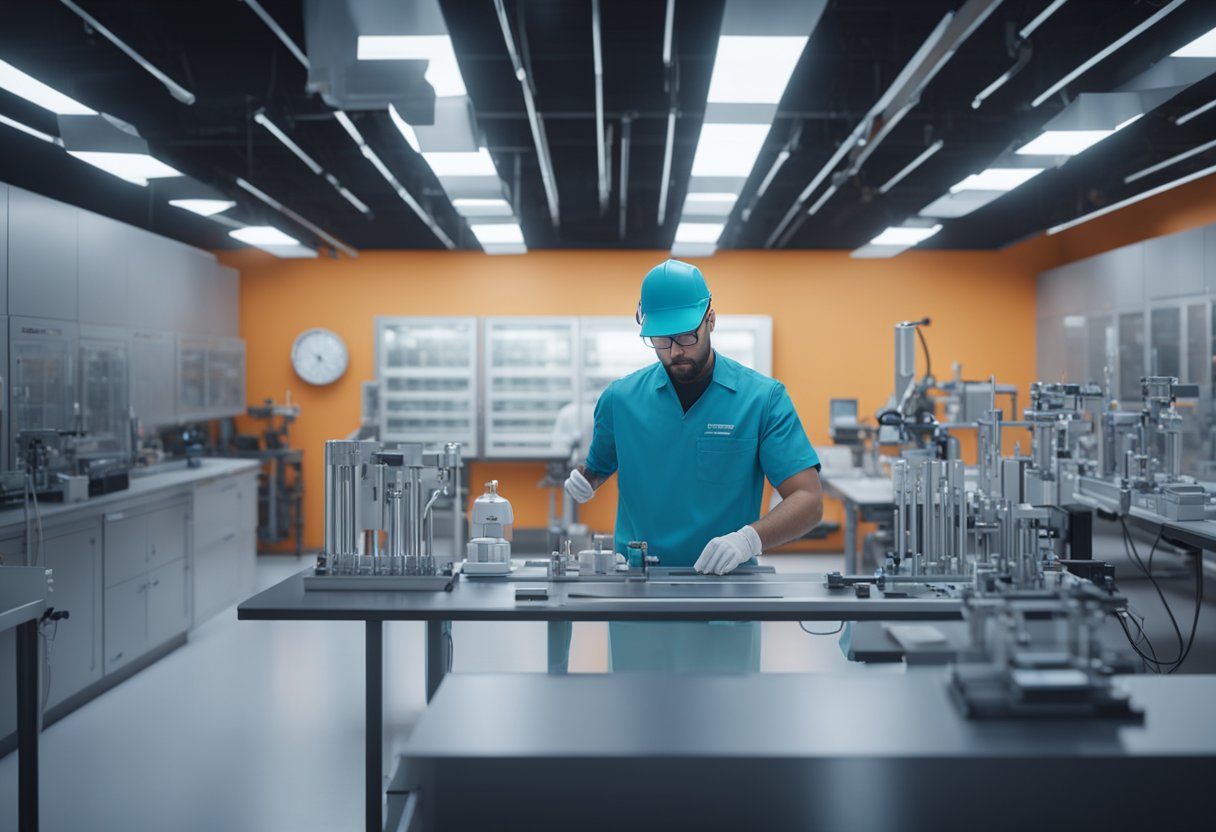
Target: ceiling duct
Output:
{"points": [[331, 36]]}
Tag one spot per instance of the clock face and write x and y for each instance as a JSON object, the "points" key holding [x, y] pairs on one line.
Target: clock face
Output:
{"points": [[319, 356]]}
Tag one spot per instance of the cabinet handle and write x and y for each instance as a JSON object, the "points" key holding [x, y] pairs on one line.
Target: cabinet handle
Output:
{"points": [[156, 582], [229, 536], [115, 516], [116, 657]]}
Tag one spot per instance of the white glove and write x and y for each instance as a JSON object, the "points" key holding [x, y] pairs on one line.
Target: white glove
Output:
{"points": [[578, 487], [722, 554]]}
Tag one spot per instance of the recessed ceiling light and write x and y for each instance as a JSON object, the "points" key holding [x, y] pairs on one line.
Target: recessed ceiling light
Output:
{"points": [[30, 131], [699, 232], [1203, 46], [996, 179], [445, 163], [711, 197], [753, 69], [728, 149], [470, 207], [137, 168], [500, 233], [1063, 142], [903, 236], [203, 207], [36, 92], [263, 235]]}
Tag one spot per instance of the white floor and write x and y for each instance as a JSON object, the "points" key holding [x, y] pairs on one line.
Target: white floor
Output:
{"points": [[259, 725]]}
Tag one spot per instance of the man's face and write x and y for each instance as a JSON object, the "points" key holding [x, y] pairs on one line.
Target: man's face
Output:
{"points": [[688, 363]]}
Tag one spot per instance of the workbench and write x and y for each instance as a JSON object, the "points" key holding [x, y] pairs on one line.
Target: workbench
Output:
{"points": [[23, 600], [865, 499], [750, 597], [793, 751]]}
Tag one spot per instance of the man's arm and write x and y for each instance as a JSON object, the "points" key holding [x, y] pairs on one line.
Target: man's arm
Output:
{"points": [[800, 510], [595, 479]]}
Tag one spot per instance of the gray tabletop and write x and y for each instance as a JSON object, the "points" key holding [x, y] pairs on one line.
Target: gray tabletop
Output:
{"points": [[784, 715], [861, 490], [779, 597], [23, 594]]}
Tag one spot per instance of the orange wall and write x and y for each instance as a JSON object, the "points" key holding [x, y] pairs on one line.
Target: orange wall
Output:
{"points": [[832, 326]]}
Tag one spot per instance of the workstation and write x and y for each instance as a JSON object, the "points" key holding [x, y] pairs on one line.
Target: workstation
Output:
{"points": [[420, 415]]}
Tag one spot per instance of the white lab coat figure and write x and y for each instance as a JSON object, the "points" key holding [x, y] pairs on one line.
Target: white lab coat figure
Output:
{"points": [[572, 430]]}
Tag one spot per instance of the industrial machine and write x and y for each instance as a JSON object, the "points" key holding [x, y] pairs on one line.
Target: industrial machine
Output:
{"points": [[379, 526], [281, 479], [490, 526]]}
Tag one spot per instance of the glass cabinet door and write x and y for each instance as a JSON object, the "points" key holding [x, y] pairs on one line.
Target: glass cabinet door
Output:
{"points": [[43, 383], [530, 376], [192, 378], [104, 392], [427, 373]]}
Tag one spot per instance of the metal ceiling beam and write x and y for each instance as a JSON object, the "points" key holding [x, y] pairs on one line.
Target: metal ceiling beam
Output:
{"points": [[601, 155], [175, 89], [245, 185], [534, 120], [274, 27]]}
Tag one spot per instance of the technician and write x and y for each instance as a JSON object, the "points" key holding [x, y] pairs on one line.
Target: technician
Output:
{"points": [[691, 439]]}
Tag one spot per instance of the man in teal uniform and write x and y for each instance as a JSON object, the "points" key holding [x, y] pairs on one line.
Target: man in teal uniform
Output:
{"points": [[691, 440]]}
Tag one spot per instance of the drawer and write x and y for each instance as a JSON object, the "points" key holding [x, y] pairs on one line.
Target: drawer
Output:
{"points": [[217, 510], [126, 622], [217, 577], [168, 602], [126, 546], [167, 535]]}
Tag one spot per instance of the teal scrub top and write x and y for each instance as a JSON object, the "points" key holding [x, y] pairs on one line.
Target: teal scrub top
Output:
{"points": [[684, 478]]}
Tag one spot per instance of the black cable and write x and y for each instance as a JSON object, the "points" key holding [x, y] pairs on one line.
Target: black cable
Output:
{"points": [[817, 633], [924, 346], [1143, 636], [1150, 664], [1198, 605], [1130, 546]]}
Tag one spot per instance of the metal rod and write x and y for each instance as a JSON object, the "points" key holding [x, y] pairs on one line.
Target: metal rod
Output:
{"points": [[626, 129], [911, 166], [1039, 20], [273, 25], [1173, 160], [601, 154], [292, 215], [175, 89], [665, 183]]}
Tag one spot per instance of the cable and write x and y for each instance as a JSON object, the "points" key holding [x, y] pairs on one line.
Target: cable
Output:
{"points": [[47, 641], [802, 624], [1184, 646], [1130, 546], [924, 346]]}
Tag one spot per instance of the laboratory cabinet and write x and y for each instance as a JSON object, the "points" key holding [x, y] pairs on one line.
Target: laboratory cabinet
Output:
{"points": [[153, 282], [42, 374], [192, 378], [153, 370], [225, 531], [104, 389], [225, 377], [73, 551], [102, 250], [531, 373], [42, 257], [147, 601], [226, 303]]}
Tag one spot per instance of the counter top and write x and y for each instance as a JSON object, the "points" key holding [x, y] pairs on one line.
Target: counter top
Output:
{"points": [[141, 486]]}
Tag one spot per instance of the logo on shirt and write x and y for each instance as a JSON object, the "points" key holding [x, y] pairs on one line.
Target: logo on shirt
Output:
{"points": [[716, 429]]}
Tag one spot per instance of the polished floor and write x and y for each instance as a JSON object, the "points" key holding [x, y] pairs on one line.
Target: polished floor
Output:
{"points": [[258, 726]]}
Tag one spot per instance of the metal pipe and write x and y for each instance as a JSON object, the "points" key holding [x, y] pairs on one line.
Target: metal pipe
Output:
{"points": [[601, 155], [273, 25], [626, 129], [292, 215], [665, 183]]}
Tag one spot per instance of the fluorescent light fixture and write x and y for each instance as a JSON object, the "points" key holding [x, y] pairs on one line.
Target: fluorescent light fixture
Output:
{"points": [[911, 166], [286, 141], [36, 92], [274, 27], [996, 179], [442, 71], [1105, 53], [699, 232], [446, 163], [203, 207], [137, 168], [1063, 142], [782, 156], [1173, 160], [728, 149], [1029, 28], [751, 69], [497, 233], [482, 207], [1198, 111], [505, 248], [873, 252], [710, 198], [30, 131], [263, 235], [338, 245], [405, 129], [903, 236], [668, 147], [1160, 189], [1203, 46]]}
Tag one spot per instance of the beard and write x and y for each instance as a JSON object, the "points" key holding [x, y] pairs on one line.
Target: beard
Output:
{"points": [[688, 368]]}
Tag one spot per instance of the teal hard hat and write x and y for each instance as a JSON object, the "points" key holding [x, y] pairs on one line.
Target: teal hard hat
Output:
{"points": [[674, 299]]}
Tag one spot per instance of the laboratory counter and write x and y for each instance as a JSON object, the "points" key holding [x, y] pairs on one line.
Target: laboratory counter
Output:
{"points": [[792, 751]]}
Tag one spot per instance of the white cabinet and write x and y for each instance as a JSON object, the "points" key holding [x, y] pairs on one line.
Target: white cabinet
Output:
{"points": [[74, 553], [146, 602], [225, 542], [226, 302], [102, 251], [1173, 265], [105, 398], [41, 257], [192, 378], [42, 374], [225, 377], [153, 282], [427, 368]]}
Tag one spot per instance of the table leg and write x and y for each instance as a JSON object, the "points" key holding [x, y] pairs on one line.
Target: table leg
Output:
{"points": [[850, 538], [27, 726], [374, 716], [438, 654], [559, 646]]}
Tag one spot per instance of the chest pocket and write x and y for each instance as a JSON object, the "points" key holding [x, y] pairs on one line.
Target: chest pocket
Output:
{"points": [[725, 460]]}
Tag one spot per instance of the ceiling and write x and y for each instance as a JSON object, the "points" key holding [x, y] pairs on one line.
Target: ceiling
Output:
{"points": [[235, 65]]}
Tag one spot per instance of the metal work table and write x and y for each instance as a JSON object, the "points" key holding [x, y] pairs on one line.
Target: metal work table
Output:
{"points": [[763, 597], [785, 751], [863, 498], [1201, 534], [23, 596]]}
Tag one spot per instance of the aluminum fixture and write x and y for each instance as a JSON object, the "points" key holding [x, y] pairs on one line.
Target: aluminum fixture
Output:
{"points": [[1160, 189], [245, 185], [895, 103], [1107, 52], [1173, 160], [175, 89], [626, 129], [270, 240], [601, 152], [1195, 113], [34, 91], [1040, 19], [261, 118], [895, 240], [274, 27], [669, 143], [30, 131], [405, 196], [534, 120], [911, 166]]}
